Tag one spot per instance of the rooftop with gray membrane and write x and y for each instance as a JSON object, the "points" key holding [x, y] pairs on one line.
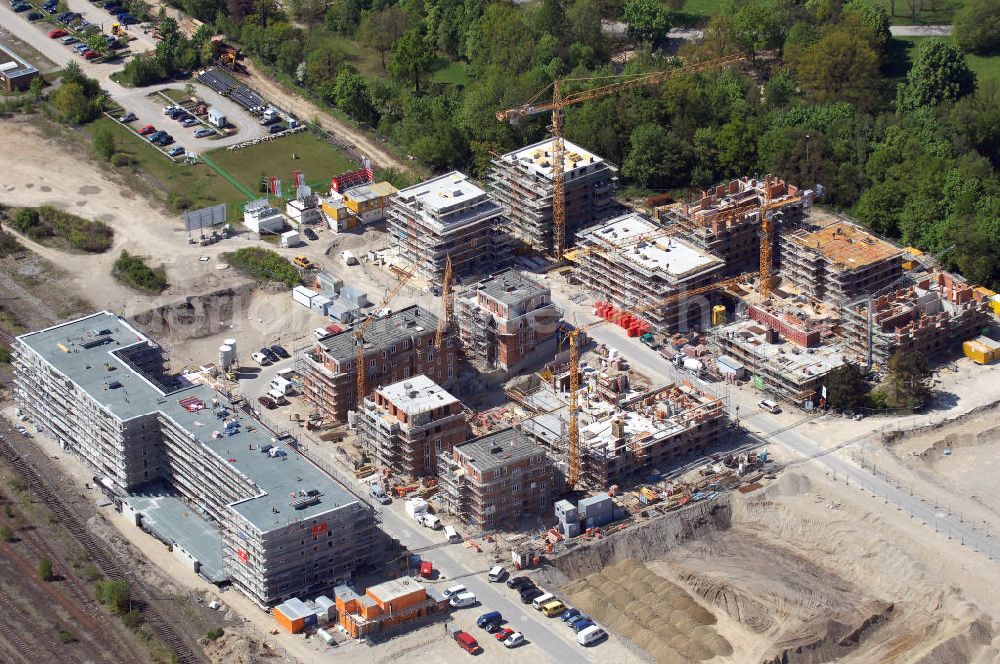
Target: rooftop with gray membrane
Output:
{"points": [[498, 449], [277, 478], [509, 287], [382, 332]]}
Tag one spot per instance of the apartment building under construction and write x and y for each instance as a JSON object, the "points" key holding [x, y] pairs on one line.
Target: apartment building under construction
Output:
{"points": [[448, 216], [522, 181], [397, 346], [725, 220], [406, 425], [495, 480], [507, 322], [934, 315], [837, 261], [190, 466], [616, 263]]}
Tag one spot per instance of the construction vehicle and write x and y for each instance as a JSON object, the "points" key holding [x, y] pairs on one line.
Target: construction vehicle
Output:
{"points": [[648, 496], [305, 263], [558, 106], [767, 237], [574, 472], [446, 305], [359, 337]]}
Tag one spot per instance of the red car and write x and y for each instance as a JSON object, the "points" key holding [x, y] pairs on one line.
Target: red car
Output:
{"points": [[90, 55], [426, 569], [148, 129], [503, 633], [56, 33]]}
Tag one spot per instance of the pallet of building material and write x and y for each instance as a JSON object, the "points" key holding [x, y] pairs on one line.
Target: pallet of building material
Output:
{"points": [[747, 488], [364, 471]]}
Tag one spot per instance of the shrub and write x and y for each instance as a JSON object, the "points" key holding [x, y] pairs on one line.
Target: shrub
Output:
{"points": [[132, 619], [45, 569], [114, 595], [9, 244], [25, 220], [214, 634], [120, 159], [133, 272], [66, 636], [264, 265], [93, 237], [6, 534]]}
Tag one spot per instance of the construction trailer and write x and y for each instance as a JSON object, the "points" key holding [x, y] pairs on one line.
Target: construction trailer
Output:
{"points": [[189, 465], [398, 346], [448, 216], [496, 480], [387, 608], [836, 261], [933, 316], [507, 322], [406, 425], [725, 220], [522, 182], [643, 272], [305, 209]]}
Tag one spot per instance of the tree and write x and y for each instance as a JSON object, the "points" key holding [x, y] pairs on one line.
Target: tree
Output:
{"points": [[351, 95], [872, 15], [845, 387], [71, 103], [35, 88], [45, 569], [909, 380], [758, 25], [114, 595], [104, 143], [648, 21], [309, 12], [382, 29], [658, 158], [584, 19], [977, 27], [939, 73], [841, 65], [141, 70], [411, 57]]}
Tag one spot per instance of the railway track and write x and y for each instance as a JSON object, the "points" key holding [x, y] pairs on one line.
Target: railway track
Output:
{"points": [[12, 633], [109, 565]]}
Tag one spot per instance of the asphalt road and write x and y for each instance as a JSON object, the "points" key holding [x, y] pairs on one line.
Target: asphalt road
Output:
{"points": [[551, 635], [148, 109]]}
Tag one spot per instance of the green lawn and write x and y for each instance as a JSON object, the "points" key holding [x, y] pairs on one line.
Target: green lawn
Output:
{"points": [[365, 59], [705, 8], [935, 12], [450, 73], [317, 159]]}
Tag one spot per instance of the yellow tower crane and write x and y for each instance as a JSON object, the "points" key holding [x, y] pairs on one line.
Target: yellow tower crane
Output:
{"points": [[573, 475], [767, 208], [446, 305], [359, 336], [557, 107]]}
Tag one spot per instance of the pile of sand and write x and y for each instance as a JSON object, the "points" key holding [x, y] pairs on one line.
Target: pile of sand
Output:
{"points": [[658, 616]]}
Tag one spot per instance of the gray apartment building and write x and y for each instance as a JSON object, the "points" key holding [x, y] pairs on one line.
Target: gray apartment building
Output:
{"points": [[191, 467]]}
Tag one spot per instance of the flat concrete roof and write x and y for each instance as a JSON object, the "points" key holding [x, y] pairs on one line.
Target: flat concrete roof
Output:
{"points": [[537, 158], [848, 246], [383, 332], [85, 351], [394, 589], [667, 255], [751, 336], [417, 395], [444, 193], [510, 287], [22, 67], [366, 192], [498, 449]]}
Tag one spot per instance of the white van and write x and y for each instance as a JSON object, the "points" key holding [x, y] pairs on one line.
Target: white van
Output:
{"points": [[430, 521], [497, 574], [451, 534], [462, 600], [590, 635], [454, 591], [769, 406], [542, 600], [320, 333], [281, 385]]}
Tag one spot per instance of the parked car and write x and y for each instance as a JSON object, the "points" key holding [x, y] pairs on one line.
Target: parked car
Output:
{"points": [[91, 55], [267, 402], [553, 608], [462, 600], [590, 635], [155, 136], [165, 140], [267, 352], [467, 643], [276, 129], [497, 574], [57, 32], [528, 595], [311, 234], [260, 359], [569, 613], [487, 619], [503, 633], [21, 7], [80, 48], [454, 590], [203, 132], [379, 494], [128, 117], [69, 40], [518, 582], [35, 16], [280, 351], [580, 617], [581, 625], [22, 431], [182, 116], [176, 151], [148, 129], [189, 122], [514, 640]]}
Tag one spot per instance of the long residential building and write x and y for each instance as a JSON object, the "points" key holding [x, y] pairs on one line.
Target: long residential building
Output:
{"points": [[522, 181], [228, 496], [495, 480], [397, 346], [406, 425], [507, 322], [448, 216], [620, 266]]}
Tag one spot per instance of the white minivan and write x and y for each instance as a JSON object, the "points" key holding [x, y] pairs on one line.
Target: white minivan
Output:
{"points": [[769, 406], [462, 600], [454, 591], [451, 534], [542, 600], [590, 635]]}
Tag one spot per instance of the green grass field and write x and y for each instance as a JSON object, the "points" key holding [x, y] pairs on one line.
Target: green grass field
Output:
{"points": [[450, 73], [366, 59], [704, 8], [986, 68], [934, 12]]}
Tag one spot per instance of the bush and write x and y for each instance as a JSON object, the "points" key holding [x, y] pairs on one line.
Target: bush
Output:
{"points": [[133, 272], [25, 220], [45, 569], [132, 619], [93, 237], [120, 159], [66, 636], [114, 595], [214, 634], [104, 143], [264, 265], [9, 244], [6, 534]]}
